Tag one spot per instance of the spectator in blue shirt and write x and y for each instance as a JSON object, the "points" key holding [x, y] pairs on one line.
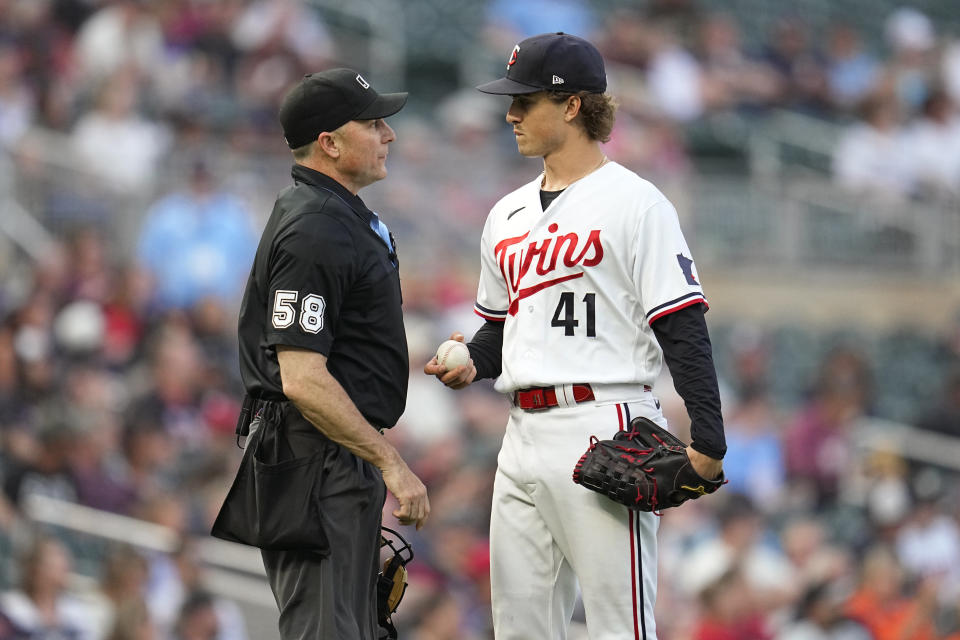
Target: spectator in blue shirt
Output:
{"points": [[197, 243]]}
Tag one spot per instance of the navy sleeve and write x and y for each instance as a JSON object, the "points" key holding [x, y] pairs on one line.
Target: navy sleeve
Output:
{"points": [[312, 267], [687, 351], [486, 348]]}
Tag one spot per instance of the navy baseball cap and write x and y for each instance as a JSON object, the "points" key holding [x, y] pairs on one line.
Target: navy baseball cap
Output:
{"points": [[551, 62], [328, 100]]}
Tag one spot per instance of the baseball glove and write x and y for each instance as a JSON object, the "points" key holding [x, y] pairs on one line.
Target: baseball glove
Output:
{"points": [[645, 468]]}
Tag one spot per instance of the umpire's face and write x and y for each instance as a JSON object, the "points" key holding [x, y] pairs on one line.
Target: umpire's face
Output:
{"points": [[362, 146]]}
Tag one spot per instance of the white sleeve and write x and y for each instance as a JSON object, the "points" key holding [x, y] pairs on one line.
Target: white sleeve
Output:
{"points": [[492, 300], [664, 273]]}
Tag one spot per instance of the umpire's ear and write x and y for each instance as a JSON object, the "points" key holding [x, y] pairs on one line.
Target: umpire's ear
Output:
{"points": [[330, 144]]}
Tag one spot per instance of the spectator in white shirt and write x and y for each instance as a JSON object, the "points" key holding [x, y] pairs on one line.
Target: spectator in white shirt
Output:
{"points": [[870, 158], [932, 145]]}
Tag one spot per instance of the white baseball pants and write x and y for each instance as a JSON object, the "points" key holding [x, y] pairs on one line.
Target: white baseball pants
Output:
{"points": [[548, 534]]}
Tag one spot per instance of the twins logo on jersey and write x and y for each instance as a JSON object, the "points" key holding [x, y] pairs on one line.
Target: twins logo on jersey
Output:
{"points": [[516, 257]]}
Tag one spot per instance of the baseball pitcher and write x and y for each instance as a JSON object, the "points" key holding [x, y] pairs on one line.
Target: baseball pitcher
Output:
{"points": [[586, 286]]}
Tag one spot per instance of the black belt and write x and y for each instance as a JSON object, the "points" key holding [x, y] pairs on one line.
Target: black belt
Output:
{"points": [[248, 411]]}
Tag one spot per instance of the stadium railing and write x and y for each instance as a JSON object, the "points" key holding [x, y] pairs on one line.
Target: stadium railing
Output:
{"points": [[229, 570]]}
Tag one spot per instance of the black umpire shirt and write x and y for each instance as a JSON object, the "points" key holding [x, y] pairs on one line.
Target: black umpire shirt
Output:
{"points": [[324, 280]]}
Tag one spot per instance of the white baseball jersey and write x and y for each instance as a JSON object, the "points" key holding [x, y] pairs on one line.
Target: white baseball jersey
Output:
{"points": [[579, 284]]}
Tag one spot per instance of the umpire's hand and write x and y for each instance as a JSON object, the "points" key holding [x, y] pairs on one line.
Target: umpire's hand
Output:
{"points": [[408, 490], [456, 378]]}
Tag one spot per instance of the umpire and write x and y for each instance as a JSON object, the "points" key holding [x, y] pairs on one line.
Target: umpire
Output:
{"points": [[323, 357]]}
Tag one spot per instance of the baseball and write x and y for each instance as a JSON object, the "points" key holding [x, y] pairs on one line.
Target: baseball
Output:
{"points": [[452, 354]]}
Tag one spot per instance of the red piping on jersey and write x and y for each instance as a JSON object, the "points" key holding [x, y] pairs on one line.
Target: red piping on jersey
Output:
{"points": [[529, 291], [635, 572], [689, 303], [486, 317]]}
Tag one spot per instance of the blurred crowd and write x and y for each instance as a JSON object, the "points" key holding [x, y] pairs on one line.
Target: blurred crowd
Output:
{"points": [[894, 97], [142, 136], [113, 401], [154, 80]]}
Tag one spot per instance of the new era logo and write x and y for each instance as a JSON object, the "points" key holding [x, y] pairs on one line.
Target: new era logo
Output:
{"points": [[557, 80], [363, 83]]}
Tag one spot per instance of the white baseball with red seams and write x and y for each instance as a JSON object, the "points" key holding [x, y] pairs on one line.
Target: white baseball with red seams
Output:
{"points": [[452, 354]]}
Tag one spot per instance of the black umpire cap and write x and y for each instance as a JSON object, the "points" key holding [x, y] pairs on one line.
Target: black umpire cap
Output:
{"points": [[551, 62], [328, 100]]}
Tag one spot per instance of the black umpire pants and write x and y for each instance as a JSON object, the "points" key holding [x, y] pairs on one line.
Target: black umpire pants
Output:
{"points": [[330, 596]]}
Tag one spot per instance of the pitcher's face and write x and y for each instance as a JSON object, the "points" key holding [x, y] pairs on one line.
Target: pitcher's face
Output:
{"points": [[538, 124]]}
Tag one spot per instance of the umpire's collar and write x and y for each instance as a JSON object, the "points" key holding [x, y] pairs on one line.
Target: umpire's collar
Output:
{"points": [[310, 176]]}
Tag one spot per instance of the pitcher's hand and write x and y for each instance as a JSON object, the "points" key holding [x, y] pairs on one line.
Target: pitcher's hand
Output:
{"points": [[456, 378]]}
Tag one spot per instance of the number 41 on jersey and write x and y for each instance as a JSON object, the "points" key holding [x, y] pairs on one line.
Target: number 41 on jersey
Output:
{"points": [[566, 314]]}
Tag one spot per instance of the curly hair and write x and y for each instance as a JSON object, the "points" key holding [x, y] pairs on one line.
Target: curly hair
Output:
{"points": [[597, 112]]}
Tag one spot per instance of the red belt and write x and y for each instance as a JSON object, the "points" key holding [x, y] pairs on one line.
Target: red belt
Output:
{"points": [[546, 397], [537, 398]]}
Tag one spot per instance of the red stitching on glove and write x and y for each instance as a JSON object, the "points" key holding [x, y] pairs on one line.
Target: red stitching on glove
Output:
{"points": [[641, 452]]}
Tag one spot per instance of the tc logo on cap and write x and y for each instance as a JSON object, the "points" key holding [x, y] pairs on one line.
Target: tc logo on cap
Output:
{"points": [[363, 83], [513, 57]]}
